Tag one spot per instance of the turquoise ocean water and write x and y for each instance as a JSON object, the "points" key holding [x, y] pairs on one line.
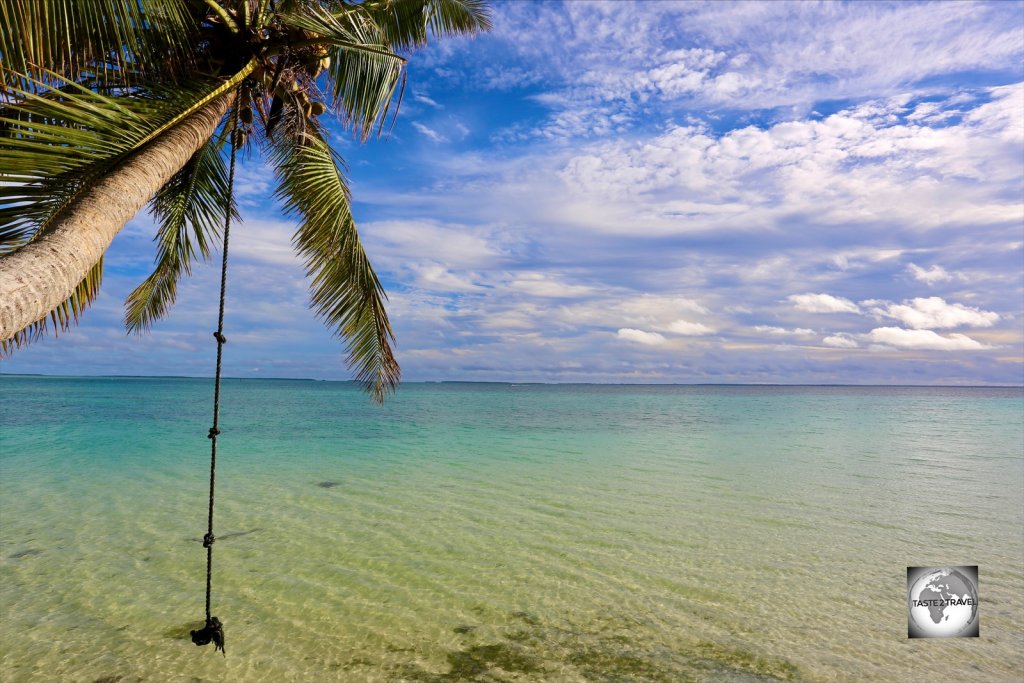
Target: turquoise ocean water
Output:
{"points": [[493, 532]]}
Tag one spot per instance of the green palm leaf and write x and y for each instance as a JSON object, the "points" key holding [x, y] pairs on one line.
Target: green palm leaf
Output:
{"points": [[345, 291], [458, 17], [190, 210], [407, 24], [116, 37]]}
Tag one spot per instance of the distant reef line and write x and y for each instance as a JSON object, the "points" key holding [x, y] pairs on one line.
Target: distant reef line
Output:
{"points": [[539, 384]]}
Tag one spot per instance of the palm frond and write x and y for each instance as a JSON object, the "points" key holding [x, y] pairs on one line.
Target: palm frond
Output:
{"points": [[364, 71], [408, 24], [458, 17], [16, 229], [345, 291], [223, 14], [63, 316], [189, 209], [112, 37]]}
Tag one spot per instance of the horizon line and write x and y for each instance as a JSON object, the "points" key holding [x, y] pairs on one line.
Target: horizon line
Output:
{"points": [[537, 383]]}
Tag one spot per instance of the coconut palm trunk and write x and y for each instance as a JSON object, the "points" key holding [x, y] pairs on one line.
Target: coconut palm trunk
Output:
{"points": [[40, 276]]}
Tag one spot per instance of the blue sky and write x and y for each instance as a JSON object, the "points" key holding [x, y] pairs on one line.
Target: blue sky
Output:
{"points": [[652, 192]]}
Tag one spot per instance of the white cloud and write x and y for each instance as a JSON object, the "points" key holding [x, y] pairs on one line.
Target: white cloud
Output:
{"points": [[435, 277], [429, 132], [253, 181], [934, 313], [842, 170], [690, 329], [840, 341], [398, 243], [606, 61], [782, 331], [547, 286], [427, 101], [641, 337], [266, 242], [932, 275], [507, 78], [823, 303], [653, 306], [612, 308], [924, 339]]}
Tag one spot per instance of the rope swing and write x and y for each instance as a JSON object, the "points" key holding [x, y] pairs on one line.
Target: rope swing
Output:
{"points": [[213, 631]]}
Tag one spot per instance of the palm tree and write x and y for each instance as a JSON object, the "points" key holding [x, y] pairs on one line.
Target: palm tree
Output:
{"points": [[109, 105]]}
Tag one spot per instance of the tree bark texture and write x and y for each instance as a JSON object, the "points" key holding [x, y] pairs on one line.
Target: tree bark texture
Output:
{"points": [[38, 277]]}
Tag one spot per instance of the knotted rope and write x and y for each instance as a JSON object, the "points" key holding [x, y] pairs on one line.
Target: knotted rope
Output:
{"points": [[214, 630]]}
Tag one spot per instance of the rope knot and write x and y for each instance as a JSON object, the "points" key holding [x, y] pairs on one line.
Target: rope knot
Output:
{"points": [[212, 632], [208, 540], [221, 339], [213, 433]]}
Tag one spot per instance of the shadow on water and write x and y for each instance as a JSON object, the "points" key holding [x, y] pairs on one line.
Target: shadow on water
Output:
{"points": [[183, 632], [531, 651]]}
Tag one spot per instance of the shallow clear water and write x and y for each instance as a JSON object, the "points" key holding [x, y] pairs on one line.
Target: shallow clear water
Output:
{"points": [[491, 532]]}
